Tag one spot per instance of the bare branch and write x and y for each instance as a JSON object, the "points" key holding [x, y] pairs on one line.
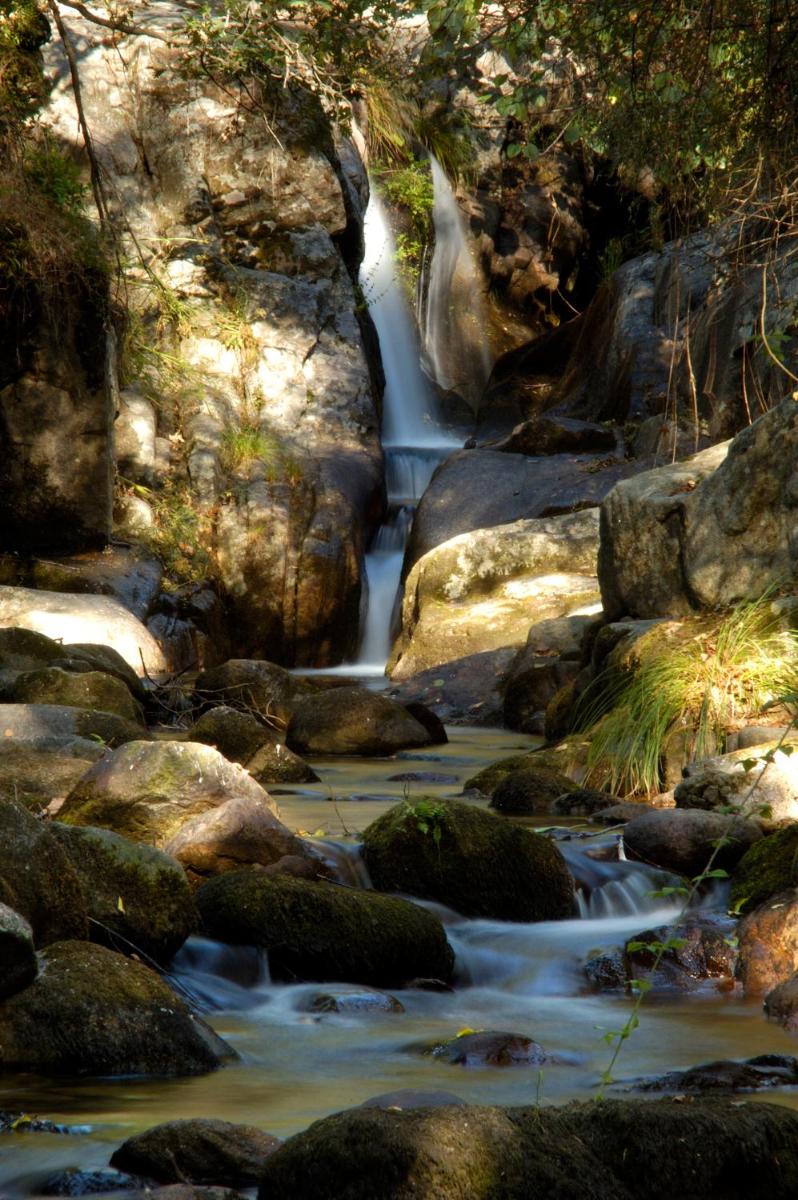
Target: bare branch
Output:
{"points": [[117, 26]]}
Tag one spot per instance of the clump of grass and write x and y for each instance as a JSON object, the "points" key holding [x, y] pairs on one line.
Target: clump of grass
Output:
{"points": [[686, 697], [244, 446]]}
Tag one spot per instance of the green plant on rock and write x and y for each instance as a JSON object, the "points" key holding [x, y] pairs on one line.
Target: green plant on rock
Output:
{"points": [[250, 443], [428, 817], [719, 671], [180, 537]]}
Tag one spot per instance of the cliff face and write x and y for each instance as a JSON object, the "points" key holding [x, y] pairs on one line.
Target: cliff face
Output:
{"points": [[244, 357]]}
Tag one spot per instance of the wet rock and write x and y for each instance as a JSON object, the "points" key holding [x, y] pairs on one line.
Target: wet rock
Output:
{"points": [[275, 763], [482, 589], [781, 1004], [701, 951], [254, 686], [684, 842], [74, 1182], [93, 1012], [83, 618], [710, 1149], [353, 720], [411, 1098], [17, 952], [768, 942], [148, 790], [236, 833], [89, 689], [138, 898], [488, 1049], [357, 1003], [59, 727], [421, 777], [199, 1150], [729, 1075], [532, 790], [585, 802], [235, 734], [321, 931], [16, 1122], [767, 867], [469, 860], [37, 879]]}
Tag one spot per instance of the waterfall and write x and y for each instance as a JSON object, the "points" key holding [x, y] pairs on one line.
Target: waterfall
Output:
{"points": [[452, 315], [413, 440]]}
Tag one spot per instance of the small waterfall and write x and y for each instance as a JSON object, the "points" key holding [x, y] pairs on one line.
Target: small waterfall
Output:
{"points": [[413, 441], [452, 315]]}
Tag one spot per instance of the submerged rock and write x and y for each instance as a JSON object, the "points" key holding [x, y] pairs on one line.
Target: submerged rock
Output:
{"points": [[707, 1150], [355, 1002], [148, 790], [93, 1012], [353, 720], [729, 1075], [74, 1182], [198, 1150], [324, 931], [488, 1049], [469, 860]]}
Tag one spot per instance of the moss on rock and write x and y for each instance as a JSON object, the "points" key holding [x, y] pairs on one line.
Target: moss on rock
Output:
{"points": [[468, 859], [37, 878], [532, 790], [768, 867]]}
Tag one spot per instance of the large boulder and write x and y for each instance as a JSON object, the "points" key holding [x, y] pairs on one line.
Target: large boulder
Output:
{"points": [[37, 878], [755, 782], [93, 1012], [685, 842], [252, 686], [148, 790], [768, 944], [237, 833], [198, 1150], [769, 866], [481, 590], [235, 734], [322, 931], [705, 533], [476, 489], [138, 898], [707, 1150], [84, 689], [83, 618], [17, 952], [63, 728], [36, 776], [353, 720], [469, 860]]}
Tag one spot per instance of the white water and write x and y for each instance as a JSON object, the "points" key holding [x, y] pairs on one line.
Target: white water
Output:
{"points": [[452, 316], [413, 439]]}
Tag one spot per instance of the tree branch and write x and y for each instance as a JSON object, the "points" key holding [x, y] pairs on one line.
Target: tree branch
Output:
{"points": [[117, 26]]}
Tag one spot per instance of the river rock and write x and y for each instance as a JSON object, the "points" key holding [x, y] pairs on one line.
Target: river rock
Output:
{"points": [[239, 832], [36, 777], [252, 686], [684, 842], [708, 1150], [138, 898], [781, 1004], [198, 1150], [533, 684], [148, 790], [469, 860], [83, 618], [584, 802], [37, 878], [275, 763], [322, 931], [93, 1012], [532, 790], [357, 1002], [551, 433], [481, 590], [703, 953], [729, 1075], [74, 1182], [767, 867], [477, 489], [487, 1048], [768, 944], [353, 720], [17, 952], [465, 691], [757, 782], [62, 728], [235, 734], [89, 689], [81, 656], [412, 1098]]}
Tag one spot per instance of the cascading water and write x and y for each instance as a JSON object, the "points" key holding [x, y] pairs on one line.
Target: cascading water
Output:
{"points": [[452, 315], [413, 440]]}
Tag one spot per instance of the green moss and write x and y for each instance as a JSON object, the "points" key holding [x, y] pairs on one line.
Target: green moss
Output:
{"points": [[770, 866]]}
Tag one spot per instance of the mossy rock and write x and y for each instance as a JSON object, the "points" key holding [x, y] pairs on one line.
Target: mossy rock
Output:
{"points": [[235, 734], [77, 689], [37, 878], [26, 650], [323, 932], [94, 1012], [139, 899], [768, 867], [198, 1150], [566, 758], [474, 862], [532, 790], [251, 685], [16, 952], [275, 763], [353, 720], [706, 1150]]}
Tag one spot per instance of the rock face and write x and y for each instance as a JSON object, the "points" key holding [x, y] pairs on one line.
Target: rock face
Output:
{"points": [[469, 860], [319, 931], [82, 618], [684, 842], [93, 1012], [199, 1150], [482, 590], [705, 533], [353, 720], [710, 1149], [148, 790], [138, 898], [280, 465]]}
